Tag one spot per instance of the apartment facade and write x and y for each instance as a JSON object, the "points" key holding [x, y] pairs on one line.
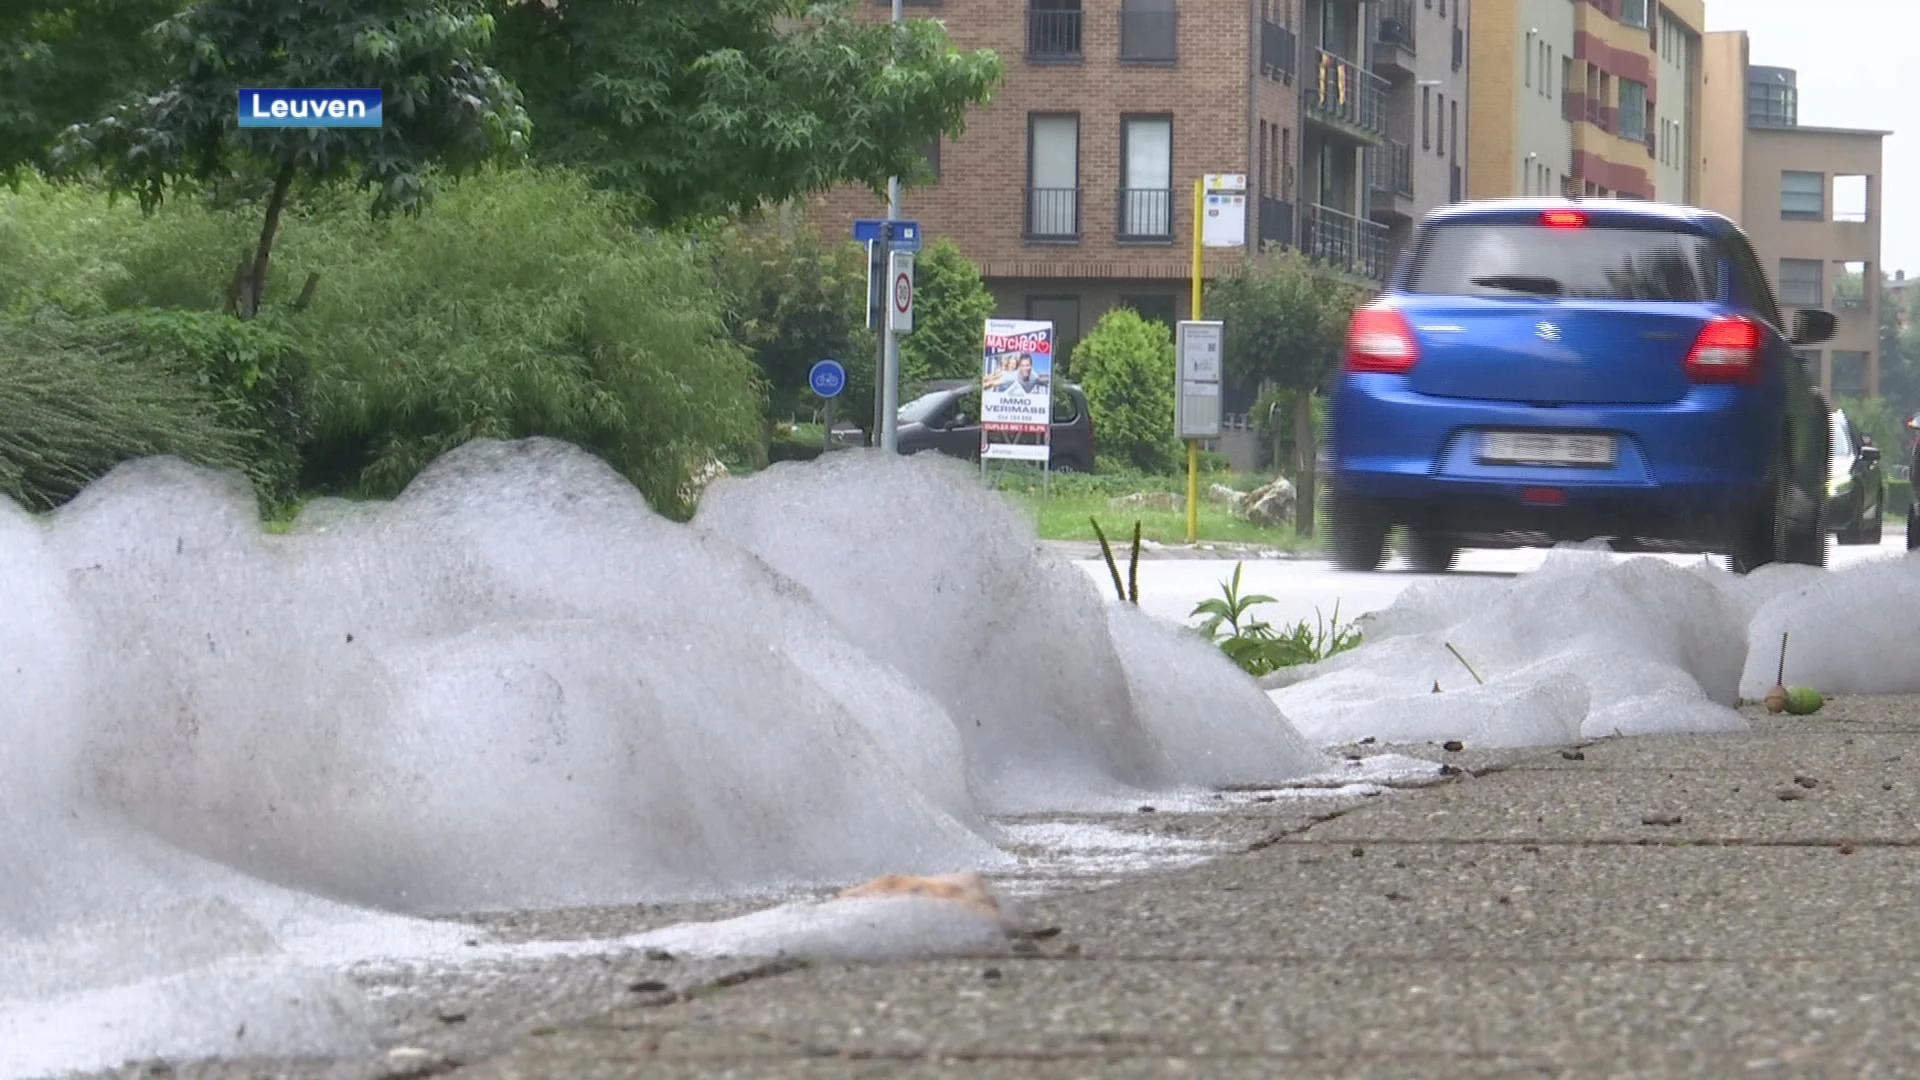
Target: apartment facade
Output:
{"points": [[1810, 199], [1073, 188], [1418, 51], [1586, 97]]}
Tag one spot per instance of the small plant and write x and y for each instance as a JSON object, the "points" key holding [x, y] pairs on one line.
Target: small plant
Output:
{"points": [[1255, 645], [1130, 592]]}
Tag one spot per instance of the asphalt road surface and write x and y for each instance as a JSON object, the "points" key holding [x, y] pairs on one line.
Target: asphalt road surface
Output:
{"points": [[1170, 587]]}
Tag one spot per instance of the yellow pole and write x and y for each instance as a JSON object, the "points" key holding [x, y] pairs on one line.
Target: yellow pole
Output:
{"points": [[1193, 445]]}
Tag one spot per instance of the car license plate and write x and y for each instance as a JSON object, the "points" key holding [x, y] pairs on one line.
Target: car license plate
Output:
{"points": [[1546, 448]]}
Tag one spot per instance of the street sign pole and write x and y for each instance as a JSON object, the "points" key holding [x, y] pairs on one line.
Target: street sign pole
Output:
{"points": [[889, 386], [878, 298]]}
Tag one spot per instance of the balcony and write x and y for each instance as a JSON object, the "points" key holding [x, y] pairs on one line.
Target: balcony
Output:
{"points": [[1276, 222], [1459, 48], [1349, 244], [1576, 107], [1053, 215], [1347, 99], [1054, 32], [1149, 32], [1279, 51], [1393, 23], [1390, 179], [1146, 215]]}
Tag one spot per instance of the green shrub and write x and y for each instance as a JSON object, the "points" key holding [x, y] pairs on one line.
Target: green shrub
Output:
{"points": [[72, 409], [951, 309], [1899, 496], [1125, 366], [524, 303]]}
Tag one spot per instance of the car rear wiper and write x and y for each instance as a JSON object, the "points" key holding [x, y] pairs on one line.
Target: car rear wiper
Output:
{"points": [[1530, 283]]}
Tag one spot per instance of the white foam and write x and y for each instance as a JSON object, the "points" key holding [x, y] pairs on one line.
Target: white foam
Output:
{"points": [[1849, 632], [942, 580], [517, 686], [1584, 647]]}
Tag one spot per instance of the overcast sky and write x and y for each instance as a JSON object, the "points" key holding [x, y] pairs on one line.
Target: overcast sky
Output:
{"points": [[1851, 56]]}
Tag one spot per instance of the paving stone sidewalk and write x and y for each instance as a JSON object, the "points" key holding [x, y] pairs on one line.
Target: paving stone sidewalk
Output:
{"points": [[1684, 906]]}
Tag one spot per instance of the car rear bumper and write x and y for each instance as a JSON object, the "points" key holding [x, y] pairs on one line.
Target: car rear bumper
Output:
{"points": [[1693, 470], [1707, 514]]}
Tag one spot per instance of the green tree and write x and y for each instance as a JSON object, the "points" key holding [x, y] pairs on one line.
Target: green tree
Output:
{"points": [[794, 299], [65, 61], [951, 309], [1285, 319], [710, 108], [1125, 367], [444, 107]]}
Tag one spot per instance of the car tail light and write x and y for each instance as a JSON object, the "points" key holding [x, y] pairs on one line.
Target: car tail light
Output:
{"points": [[1379, 339], [1727, 351], [1564, 219]]}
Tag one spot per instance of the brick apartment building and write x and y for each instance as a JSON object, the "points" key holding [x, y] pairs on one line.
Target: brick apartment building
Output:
{"points": [[1073, 188], [1589, 97], [1810, 198]]}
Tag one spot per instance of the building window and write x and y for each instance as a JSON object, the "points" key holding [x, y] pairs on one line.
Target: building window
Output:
{"points": [[1064, 313], [1146, 162], [1546, 70], [1633, 13], [1161, 308], [1801, 283], [1803, 195], [1053, 176], [1440, 122], [1529, 61], [931, 151], [1453, 131], [1850, 197], [1633, 110], [1053, 30], [1286, 164], [1849, 373], [1149, 31], [1426, 118]]}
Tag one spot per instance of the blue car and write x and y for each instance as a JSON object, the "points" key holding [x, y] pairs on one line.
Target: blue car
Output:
{"points": [[1546, 370]]}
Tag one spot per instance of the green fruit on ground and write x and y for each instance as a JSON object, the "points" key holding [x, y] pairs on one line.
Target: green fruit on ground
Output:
{"points": [[1802, 700]]}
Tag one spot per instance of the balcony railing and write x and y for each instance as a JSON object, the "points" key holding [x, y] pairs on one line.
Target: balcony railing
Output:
{"points": [[1149, 31], [1053, 34], [1459, 48], [1276, 221], [1279, 50], [1390, 169], [1053, 214], [1394, 24], [1146, 213], [1347, 243], [1344, 92]]}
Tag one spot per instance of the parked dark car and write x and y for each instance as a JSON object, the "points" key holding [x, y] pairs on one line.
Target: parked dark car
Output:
{"points": [[945, 418], [1857, 490], [1544, 370]]}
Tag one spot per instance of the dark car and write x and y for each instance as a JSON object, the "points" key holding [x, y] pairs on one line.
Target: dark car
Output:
{"points": [[945, 418], [1857, 489], [1553, 369]]}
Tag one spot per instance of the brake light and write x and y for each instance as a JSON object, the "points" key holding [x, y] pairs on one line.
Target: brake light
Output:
{"points": [[1727, 351], [1379, 339], [1564, 219]]}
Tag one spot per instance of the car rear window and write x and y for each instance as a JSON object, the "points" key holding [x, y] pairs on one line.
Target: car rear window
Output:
{"points": [[1594, 263]]}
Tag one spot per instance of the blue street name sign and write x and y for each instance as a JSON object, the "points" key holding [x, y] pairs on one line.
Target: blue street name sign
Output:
{"points": [[906, 234]]}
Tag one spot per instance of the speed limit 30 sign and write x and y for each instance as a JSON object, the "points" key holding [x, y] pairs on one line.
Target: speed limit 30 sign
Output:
{"points": [[900, 292]]}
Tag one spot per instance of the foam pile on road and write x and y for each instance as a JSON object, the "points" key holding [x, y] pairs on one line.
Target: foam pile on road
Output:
{"points": [[1582, 648], [518, 686], [1061, 703]]}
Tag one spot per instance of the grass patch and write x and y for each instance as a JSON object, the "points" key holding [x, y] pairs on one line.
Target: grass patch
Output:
{"points": [[1068, 507]]}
